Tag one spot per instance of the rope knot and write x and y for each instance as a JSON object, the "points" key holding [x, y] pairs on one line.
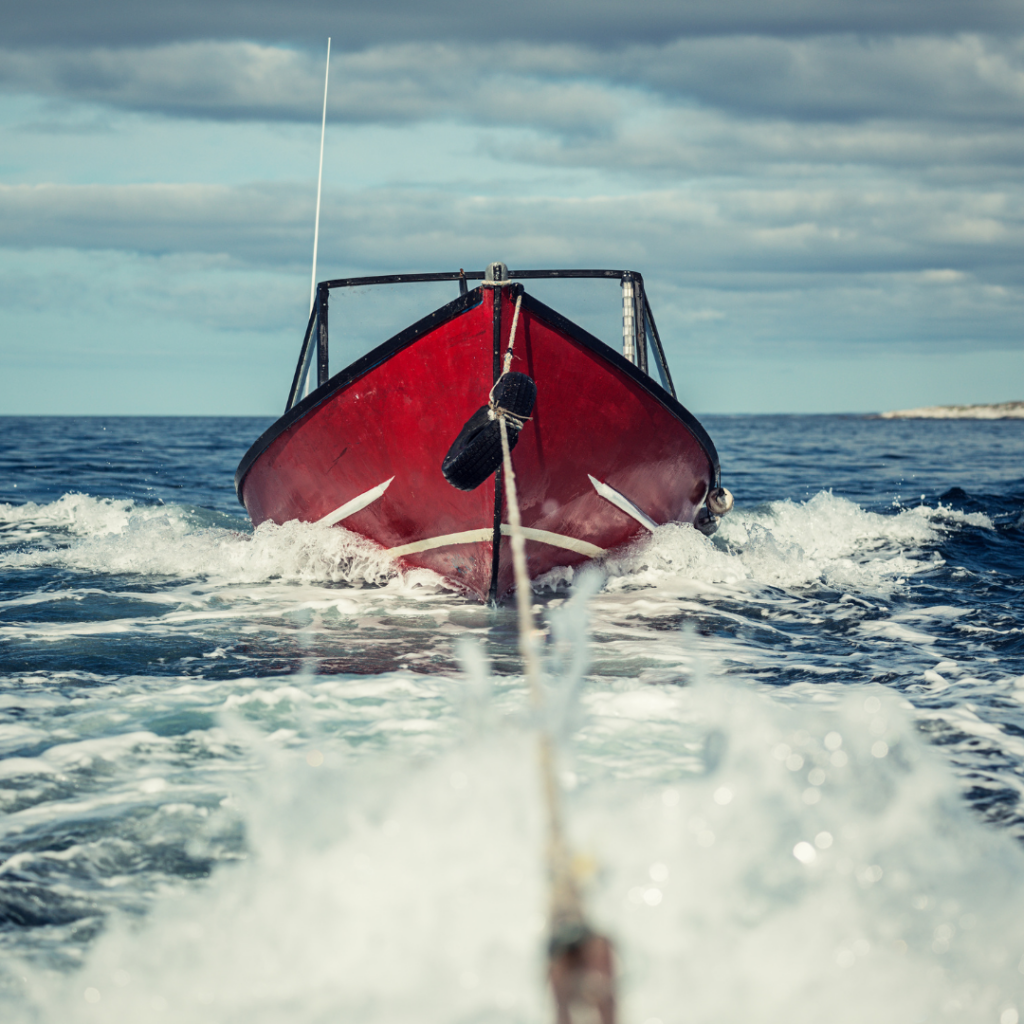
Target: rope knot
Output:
{"points": [[495, 411], [511, 399]]}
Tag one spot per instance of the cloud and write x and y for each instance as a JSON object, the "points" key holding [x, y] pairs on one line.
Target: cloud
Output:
{"points": [[797, 170], [258, 224], [718, 229], [607, 24], [246, 81], [675, 145], [228, 81], [568, 90], [839, 77]]}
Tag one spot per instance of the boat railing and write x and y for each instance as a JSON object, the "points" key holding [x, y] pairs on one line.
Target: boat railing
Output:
{"points": [[640, 336]]}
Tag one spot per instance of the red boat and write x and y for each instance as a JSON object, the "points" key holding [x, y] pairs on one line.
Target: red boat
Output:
{"points": [[606, 455]]}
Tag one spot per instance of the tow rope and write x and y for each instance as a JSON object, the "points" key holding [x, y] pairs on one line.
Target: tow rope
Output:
{"points": [[581, 967], [476, 453]]}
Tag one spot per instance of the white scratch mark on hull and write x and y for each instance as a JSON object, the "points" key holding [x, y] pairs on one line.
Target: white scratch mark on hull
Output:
{"points": [[357, 504], [622, 502]]}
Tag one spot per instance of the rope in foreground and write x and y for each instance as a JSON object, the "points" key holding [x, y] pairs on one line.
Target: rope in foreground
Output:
{"points": [[581, 966]]}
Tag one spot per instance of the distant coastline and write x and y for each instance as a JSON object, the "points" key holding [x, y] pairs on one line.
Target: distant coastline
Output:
{"points": [[999, 411]]}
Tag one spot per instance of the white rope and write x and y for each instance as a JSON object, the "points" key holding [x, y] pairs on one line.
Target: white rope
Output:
{"points": [[566, 906], [580, 961], [512, 335], [496, 410]]}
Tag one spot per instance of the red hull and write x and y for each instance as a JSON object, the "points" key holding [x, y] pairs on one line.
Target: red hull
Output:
{"points": [[391, 418]]}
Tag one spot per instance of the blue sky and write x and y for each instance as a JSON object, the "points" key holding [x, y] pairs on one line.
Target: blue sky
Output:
{"points": [[824, 198]]}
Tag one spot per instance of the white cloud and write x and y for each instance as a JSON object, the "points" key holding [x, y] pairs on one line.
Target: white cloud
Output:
{"points": [[839, 77], [563, 88], [712, 229], [254, 224]]}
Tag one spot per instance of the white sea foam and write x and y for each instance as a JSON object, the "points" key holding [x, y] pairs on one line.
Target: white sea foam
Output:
{"points": [[113, 536], [821, 869], [758, 860], [827, 539]]}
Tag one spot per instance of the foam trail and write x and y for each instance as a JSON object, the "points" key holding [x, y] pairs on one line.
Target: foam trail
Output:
{"points": [[237, 782], [758, 861], [826, 539], [111, 536]]}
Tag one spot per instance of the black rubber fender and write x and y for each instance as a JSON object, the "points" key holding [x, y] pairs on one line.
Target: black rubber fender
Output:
{"points": [[476, 452]]}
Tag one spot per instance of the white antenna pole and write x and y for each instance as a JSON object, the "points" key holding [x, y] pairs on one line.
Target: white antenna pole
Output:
{"points": [[319, 179]]}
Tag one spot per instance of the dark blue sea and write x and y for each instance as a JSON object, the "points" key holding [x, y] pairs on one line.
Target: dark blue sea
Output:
{"points": [[263, 777]]}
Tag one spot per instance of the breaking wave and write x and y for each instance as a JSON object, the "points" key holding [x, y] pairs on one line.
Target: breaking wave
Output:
{"points": [[106, 535], [753, 858], [827, 539]]}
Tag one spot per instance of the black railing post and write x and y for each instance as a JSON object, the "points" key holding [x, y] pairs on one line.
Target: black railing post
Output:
{"points": [[659, 351], [322, 362], [293, 392], [639, 302]]}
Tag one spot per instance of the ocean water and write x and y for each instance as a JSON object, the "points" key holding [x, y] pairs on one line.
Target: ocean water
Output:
{"points": [[262, 777]]}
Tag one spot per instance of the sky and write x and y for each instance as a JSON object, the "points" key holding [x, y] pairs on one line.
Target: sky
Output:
{"points": [[824, 196]]}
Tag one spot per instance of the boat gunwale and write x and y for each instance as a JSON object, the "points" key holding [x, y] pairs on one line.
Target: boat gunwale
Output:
{"points": [[645, 380], [362, 366], [411, 334]]}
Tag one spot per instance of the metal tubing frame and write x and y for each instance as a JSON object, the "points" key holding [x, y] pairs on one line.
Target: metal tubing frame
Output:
{"points": [[476, 275], [322, 362], [663, 369], [645, 327], [293, 393]]}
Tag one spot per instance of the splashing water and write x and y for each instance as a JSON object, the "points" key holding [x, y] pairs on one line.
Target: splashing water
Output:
{"points": [[244, 775], [112, 536]]}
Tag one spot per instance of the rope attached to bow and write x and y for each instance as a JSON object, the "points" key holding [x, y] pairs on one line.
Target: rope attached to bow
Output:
{"points": [[494, 409], [581, 966]]}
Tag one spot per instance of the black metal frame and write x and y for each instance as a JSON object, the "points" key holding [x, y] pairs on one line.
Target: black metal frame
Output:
{"points": [[646, 331], [623, 365]]}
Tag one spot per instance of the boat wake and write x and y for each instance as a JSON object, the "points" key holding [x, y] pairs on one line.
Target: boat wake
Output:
{"points": [[816, 849], [826, 540], [118, 537], [244, 773]]}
